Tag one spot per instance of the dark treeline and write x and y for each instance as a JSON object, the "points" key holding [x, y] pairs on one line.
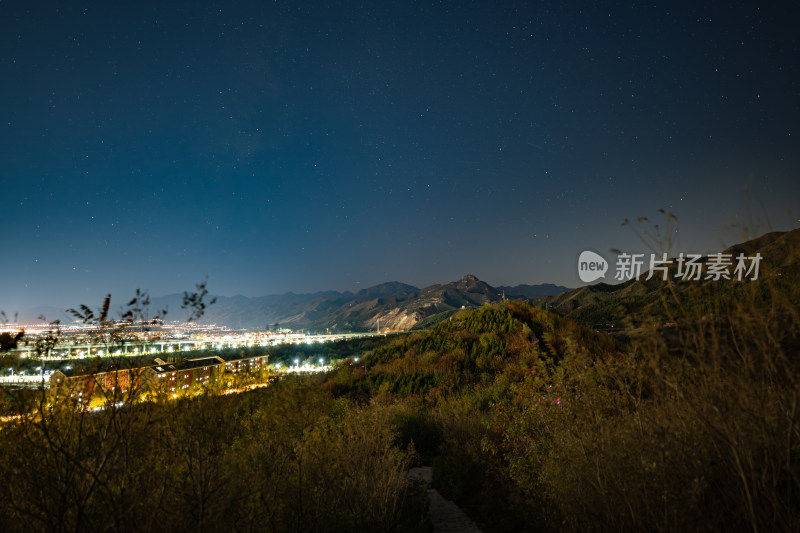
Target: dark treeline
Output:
{"points": [[286, 354]]}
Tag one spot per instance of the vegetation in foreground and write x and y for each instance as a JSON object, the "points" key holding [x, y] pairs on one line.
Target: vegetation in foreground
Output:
{"points": [[531, 422], [289, 457], [534, 423]]}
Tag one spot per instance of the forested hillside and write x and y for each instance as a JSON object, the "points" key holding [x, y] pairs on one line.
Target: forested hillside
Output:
{"points": [[530, 421]]}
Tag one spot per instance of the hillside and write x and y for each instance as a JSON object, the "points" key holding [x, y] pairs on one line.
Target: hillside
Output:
{"points": [[532, 291], [530, 422], [603, 305], [535, 423]]}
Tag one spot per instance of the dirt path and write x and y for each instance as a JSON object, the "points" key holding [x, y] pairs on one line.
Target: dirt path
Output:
{"points": [[444, 515]]}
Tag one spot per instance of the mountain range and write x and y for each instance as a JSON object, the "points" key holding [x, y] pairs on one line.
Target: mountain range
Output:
{"points": [[399, 306], [388, 306]]}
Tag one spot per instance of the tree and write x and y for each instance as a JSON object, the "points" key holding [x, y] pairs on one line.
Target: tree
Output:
{"points": [[7, 340]]}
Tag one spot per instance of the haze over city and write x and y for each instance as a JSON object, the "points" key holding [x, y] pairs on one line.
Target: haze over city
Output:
{"points": [[311, 146]]}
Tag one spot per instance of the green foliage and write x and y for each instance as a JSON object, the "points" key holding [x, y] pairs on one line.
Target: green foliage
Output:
{"points": [[690, 427], [283, 458], [531, 421]]}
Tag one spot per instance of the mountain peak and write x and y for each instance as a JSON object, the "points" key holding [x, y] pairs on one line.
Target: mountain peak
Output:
{"points": [[472, 284]]}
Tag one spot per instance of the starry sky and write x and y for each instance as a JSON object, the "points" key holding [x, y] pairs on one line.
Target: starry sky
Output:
{"points": [[304, 146]]}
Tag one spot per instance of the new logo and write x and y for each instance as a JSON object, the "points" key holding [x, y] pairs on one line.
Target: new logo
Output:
{"points": [[591, 266]]}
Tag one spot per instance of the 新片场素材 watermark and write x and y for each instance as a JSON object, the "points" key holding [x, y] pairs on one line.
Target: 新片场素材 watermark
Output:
{"points": [[593, 266]]}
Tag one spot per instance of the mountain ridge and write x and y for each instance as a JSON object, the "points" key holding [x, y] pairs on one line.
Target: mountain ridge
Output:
{"points": [[390, 305], [603, 305]]}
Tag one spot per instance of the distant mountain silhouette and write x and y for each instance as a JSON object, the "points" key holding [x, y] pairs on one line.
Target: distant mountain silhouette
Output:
{"points": [[50, 313], [289, 310], [402, 309], [391, 305]]}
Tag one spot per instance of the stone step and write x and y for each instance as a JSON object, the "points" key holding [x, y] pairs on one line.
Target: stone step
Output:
{"points": [[444, 515]]}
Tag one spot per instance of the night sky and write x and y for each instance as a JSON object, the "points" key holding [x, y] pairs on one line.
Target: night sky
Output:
{"points": [[278, 147]]}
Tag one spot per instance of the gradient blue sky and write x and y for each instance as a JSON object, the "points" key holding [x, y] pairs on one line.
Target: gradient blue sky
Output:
{"points": [[302, 146]]}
